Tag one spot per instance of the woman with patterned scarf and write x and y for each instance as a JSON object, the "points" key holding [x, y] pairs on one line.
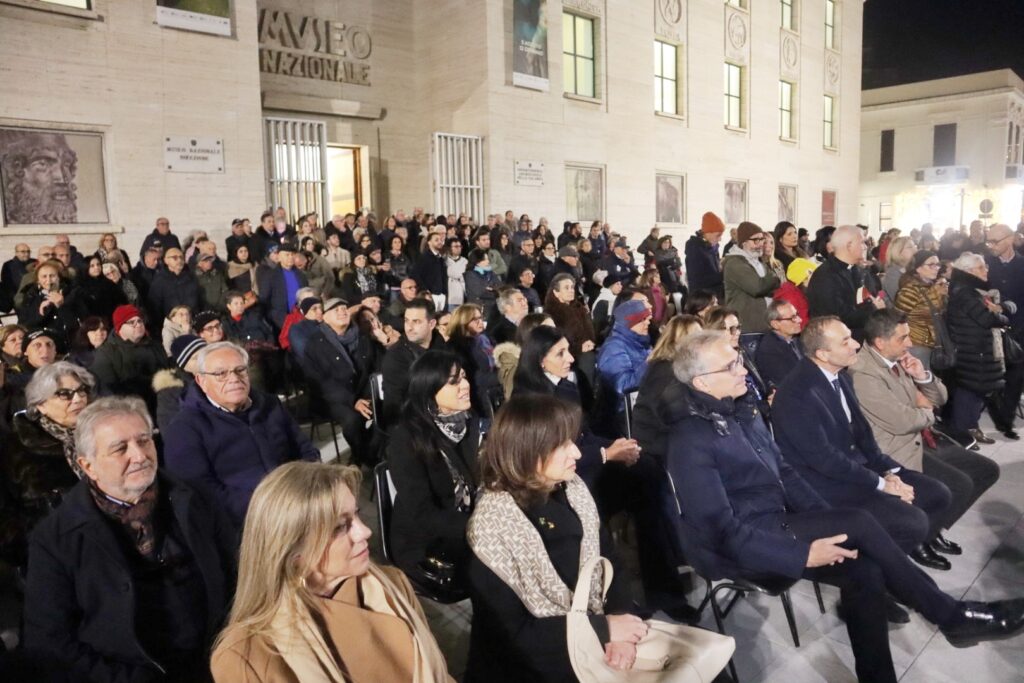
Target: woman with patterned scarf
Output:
{"points": [[432, 454], [534, 526], [39, 464]]}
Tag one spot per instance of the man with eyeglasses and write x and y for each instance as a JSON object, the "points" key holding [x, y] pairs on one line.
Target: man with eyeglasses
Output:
{"points": [[126, 362], [11, 274], [208, 326], [173, 285], [779, 350], [743, 510], [1006, 273], [749, 282], [228, 436]]}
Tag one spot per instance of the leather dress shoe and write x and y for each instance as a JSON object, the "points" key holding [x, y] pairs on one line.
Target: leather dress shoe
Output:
{"points": [[1011, 434], [926, 557], [943, 545], [895, 614], [977, 621], [980, 437]]}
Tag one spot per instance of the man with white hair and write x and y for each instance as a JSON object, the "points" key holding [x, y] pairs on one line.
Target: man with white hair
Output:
{"points": [[130, 578], [837, 287], [1006, 274]]}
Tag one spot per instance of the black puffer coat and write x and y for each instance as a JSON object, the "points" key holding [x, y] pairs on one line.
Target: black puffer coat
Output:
{"points": [[970, 325]]}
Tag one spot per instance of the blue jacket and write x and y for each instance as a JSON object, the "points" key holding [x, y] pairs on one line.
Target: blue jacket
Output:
{"points": [[734, 490], [274, 295], [621, 363], [229, 453], [775, 359], [703, 266], [840, 459]]}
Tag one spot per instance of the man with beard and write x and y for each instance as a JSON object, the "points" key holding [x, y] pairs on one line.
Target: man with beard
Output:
{"points": [[39, 177]]}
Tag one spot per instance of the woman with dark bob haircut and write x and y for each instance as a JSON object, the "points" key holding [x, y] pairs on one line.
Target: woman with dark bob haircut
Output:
{"points": [[534, 526], [432, 454]]}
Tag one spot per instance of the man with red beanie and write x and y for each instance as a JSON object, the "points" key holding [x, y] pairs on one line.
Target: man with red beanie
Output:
{"points": [[128, 359], [703, 262]]}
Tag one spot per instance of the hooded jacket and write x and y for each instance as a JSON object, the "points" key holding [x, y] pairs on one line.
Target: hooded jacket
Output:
{"points": [[621, 363]]}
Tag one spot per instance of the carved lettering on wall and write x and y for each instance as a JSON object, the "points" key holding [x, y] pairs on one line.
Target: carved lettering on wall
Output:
{"points": [[670, 20], [590, 7], [311, 47]]}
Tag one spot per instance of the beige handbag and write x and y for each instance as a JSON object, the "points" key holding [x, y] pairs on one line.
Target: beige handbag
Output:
{"points": [[669, 653]]}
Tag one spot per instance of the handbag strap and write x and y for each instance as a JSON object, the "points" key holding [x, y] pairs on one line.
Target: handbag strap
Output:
{"points": [[581, 596]]}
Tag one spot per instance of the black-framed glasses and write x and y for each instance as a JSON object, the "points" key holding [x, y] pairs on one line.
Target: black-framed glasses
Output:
{"points": [[68, 395], [930, 264], [794, 317], [241, 372], [759, 238], [211, 326], [992, 243], [731, 368]]}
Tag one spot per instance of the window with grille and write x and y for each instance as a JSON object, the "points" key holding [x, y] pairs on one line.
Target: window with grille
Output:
{"points": [[786, 110], [458, 173], [296, 162], [787, 20], [733, 95], [666, 82], [578, 55], [830, 24], [828, 120]]}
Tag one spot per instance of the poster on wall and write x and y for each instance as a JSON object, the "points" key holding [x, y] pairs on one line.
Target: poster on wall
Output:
{"points": [[668, 198], [584, 193], [735, 201], [787, 203], [530, 44], [52, 177], [205, 16], [828, 207]]}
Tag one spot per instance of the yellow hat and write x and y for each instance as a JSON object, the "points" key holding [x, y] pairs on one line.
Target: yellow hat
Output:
{"points": [[800, 269]]}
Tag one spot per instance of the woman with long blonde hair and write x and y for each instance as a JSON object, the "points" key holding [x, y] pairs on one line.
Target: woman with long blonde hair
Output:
{"points": [[310, 605]]}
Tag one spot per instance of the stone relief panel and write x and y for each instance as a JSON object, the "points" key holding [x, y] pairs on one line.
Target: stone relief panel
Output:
{"points": [[670, 20], [789, 56], [737, 35], [833, 72]]}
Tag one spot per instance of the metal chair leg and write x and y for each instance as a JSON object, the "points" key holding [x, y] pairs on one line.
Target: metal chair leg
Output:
{"points": [[817, 594], [717, 611], [787, 605], [334, 437]]}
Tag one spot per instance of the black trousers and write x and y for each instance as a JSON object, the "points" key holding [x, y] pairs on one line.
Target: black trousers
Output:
{"points": [[881, 566], [1002, 405], [353, 426], [909, 525], [965, 473]]}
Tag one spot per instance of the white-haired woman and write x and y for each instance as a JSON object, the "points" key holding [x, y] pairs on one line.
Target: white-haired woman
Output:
{"points": [[39, 462], [310, 605], [901, 250], [972, 314]]}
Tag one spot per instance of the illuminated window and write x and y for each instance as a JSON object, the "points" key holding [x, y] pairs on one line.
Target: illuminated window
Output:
{"points": [[829, 121], [578, 55], [733, 95], [666, 80], [786, 110], [787, 21], [77, 4], [830, 24], [742, 4]]}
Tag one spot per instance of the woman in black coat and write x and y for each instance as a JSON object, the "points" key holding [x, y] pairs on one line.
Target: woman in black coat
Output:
{"points": [[971, 317], [95, 294], [432, 455], [48, 302]]}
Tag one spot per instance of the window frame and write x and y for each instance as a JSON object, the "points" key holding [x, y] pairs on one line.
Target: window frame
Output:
{"points": [[784, 111], [887, 151], [828, 119], [791, 6], [937, 132], [831, 41], [741, 123], [660, 47], [577, 58]]}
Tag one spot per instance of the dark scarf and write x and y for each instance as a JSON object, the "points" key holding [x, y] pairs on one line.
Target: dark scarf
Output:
{"points": [[137, 521], [66, 436], [453, 426]]}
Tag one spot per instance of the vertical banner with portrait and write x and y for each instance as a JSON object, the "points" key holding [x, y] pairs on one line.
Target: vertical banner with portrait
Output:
{"points": [[530, 44], [205, 16], [787, 203], [669, 199], [52, 177], [828, 207], [584, 193], [735, 201]]}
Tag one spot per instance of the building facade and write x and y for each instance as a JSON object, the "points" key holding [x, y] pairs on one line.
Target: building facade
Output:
{"points": [[638, 112], [944, 152]]}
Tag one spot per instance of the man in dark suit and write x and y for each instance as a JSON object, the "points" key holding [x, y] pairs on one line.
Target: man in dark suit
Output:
{"points": [[420, 335], [512, 307], [779, 350], [828, 441], [744, 511], [834, 288]]}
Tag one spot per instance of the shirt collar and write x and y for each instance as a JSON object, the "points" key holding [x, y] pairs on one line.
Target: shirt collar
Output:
{"points": [[830, 376], [889, 363], [554, 379], [1013, 255], [218, 406]]}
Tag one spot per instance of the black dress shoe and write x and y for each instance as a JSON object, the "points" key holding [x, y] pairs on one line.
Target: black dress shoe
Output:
{"points": [[981, 437], [926, 557], [945, 546], [977, 621], [895, 614], [1011, 435]]}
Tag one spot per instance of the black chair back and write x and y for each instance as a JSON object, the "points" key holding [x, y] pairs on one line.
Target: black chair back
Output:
{"points": [[629, 400], [385, 496]]}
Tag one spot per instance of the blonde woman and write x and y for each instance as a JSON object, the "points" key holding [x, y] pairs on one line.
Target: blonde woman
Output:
{"points": [[178, 322], [310, 605], [897, 256]]}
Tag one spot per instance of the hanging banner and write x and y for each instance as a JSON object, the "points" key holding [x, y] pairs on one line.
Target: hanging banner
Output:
{"points": [[530, 44], [205, 16]]}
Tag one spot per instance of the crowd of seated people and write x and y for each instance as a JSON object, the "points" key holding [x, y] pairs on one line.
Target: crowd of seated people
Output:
{"points": [[782, 407]]}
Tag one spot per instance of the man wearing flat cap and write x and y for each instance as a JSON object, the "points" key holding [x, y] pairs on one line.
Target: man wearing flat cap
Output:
{"points": [[277, 292]]}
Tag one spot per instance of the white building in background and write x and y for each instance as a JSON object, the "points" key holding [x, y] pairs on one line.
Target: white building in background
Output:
{"points": [[632, 111], [932, 152]]}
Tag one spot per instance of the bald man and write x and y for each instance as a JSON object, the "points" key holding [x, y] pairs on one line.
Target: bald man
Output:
{"points": [[837, 287]]}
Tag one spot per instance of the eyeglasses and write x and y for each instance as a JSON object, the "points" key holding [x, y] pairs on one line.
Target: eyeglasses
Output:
{"points": [[992, 243], [930, 264], [732, 368], [134, 322], [241, 372], [792, 317], [759, 238], [210, 327], [68, 395]]}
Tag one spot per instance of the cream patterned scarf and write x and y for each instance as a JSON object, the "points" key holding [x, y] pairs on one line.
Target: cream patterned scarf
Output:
{"points": [[504, 539]]}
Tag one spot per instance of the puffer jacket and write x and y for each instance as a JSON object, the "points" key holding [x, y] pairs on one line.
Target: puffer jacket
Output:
{"points": [[621, 363], [912, 298], [970, 325]]}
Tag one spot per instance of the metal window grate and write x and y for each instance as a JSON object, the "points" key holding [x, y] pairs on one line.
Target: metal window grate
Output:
{"points": [[296, 152], [458, 169]]}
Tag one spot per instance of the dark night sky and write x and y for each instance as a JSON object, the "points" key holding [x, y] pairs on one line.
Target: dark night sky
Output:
{"points": [[917, 40]]}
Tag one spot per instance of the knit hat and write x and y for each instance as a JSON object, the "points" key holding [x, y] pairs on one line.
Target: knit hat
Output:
{"points": [[630, 313], [800, 269], [287, 246], [123, 314], [567, 251], [710, 223], [334, 303], [306, 304], [36, 334], [746, 231], [203, 319], [184, 347]]}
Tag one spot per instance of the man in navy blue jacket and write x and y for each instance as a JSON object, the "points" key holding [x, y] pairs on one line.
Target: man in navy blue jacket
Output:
{"points": [[826, 438], [1006, 273], [779, 350], [744, 511]]}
